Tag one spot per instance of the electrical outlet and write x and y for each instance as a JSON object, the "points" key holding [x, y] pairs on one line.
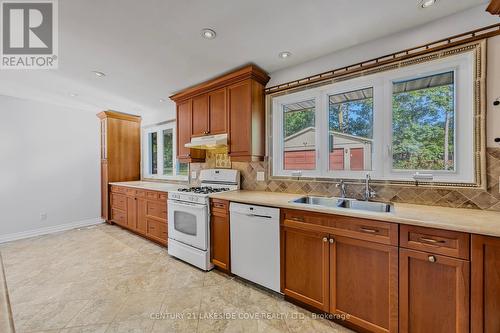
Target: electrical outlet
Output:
{"points": [[193, 175], [43, 216], [261, 176]]}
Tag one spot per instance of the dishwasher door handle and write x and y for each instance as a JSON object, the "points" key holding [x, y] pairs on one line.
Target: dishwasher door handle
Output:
{"points": [[257, 215]]}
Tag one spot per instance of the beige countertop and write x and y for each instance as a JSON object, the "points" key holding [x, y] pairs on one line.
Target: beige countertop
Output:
{"points": [[458, 219], [153, 186]]}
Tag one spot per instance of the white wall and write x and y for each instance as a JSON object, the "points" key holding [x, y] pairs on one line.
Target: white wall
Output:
{"points": [[452, 25], [49, 163]]}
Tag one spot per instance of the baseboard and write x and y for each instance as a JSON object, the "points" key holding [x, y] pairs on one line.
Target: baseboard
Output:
{"points": [[49, 230]]}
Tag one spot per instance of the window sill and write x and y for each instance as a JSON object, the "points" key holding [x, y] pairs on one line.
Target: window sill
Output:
{"points": [[175, 179]]}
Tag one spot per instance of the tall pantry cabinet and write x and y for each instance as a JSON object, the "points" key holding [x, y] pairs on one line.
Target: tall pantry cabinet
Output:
{"points": [[120, 152]]}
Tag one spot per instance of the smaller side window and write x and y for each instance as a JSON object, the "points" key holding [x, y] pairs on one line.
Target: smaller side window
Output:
{"points": [[153, 153]]}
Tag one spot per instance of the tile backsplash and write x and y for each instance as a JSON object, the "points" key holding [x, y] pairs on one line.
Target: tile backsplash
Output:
{"points": [[427, 195]]}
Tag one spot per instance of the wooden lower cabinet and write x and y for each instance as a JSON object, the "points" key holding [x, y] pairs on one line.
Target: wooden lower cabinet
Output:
{"points": [[364, 283], [219, 234], [305, 266], [141, 211], [485, 289], [433, 293]]}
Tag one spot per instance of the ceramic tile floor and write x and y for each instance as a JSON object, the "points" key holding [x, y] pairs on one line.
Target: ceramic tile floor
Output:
{"points": [[105, 279]]}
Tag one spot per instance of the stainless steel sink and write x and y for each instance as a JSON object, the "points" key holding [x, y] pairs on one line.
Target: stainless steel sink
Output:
{"points": [[346, 203]]}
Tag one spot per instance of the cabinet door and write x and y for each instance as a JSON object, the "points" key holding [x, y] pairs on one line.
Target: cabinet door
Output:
{"points": [[200, 116], [305, 266], [218, 111], [132, 213], [142, 224], [219, 240], [183, 128], [364, 283], [240, 118], [485, 316], [433, 294]]}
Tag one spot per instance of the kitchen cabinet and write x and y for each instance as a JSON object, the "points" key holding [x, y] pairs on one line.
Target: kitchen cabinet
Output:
{"points": [[120, 152], [343, 266], [199, 116], [485, 288], [143, 212], [218, 112], [305, 266], [434, 293], [219, 234], [184, 133], [364, 283], [232, 104]]}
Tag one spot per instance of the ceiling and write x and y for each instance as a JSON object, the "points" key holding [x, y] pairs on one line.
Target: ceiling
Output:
{"points": [[150, 49]]}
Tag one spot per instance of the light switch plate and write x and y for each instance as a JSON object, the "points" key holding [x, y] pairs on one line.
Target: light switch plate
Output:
{"points": [[261, 176], [193, 175]]}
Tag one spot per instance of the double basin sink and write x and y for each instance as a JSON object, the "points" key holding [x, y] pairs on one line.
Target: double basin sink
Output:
{"points": [[346, 203]]}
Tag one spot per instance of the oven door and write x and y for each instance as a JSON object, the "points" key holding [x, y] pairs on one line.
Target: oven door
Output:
{"points": [[188, 223]]}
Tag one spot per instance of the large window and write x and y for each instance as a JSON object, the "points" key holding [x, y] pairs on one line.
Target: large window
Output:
{"points": [[159, 155], [403, 124]]}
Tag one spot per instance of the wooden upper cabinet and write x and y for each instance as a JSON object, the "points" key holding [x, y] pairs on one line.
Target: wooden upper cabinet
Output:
{"points": [[199, 115], [305, 266], [485, 288], [433, 293], [183, 129], [364, 283], [232, 104], [218, 112]]}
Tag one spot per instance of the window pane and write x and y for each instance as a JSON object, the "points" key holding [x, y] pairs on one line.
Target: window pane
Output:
{"points": [[168, 153], [423, 130], [153, 153], [182, 169], [350, 117], [299, 134]]}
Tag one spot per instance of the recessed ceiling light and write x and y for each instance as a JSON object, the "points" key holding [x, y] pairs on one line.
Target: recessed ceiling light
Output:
{"points": [[162, 100], [73, 94], [99, 74], [285, 55], [427, 3], [208, 33]]}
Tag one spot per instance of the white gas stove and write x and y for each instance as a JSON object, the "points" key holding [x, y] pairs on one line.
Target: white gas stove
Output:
{"points": [[189, 216]]}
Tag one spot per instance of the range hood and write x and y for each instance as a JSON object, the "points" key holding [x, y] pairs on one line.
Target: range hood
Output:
{"points": [[208, 142]]}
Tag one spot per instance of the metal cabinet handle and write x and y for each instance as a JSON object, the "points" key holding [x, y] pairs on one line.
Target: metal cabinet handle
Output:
{"points": [[368, 230], [432, 259], [325, 239], [430, 240], [332, 240]]}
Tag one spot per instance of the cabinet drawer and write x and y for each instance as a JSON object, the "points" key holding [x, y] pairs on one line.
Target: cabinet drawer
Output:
{"points": [[152, 195], [140, 194], [118, 216], [365, 229], [118, 201], [220, 207], [445, 242], [157, 209], [130, 192], [157, 229], [118, 189]]}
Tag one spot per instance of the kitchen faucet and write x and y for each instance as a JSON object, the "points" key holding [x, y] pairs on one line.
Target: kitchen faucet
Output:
{"points": [[369, 193], [342, 186]]}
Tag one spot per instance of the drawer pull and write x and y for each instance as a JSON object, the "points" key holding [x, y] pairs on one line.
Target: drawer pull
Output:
{"points": [[368, 230], [432, 241], [332, 240], [432, 259], [325, 239]]}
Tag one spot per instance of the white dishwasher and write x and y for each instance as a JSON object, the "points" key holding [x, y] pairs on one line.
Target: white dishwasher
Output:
{"points": [[255, 244]]}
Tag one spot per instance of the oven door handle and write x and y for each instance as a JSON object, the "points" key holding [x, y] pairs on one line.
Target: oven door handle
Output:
{"points": [[186, 204]]}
